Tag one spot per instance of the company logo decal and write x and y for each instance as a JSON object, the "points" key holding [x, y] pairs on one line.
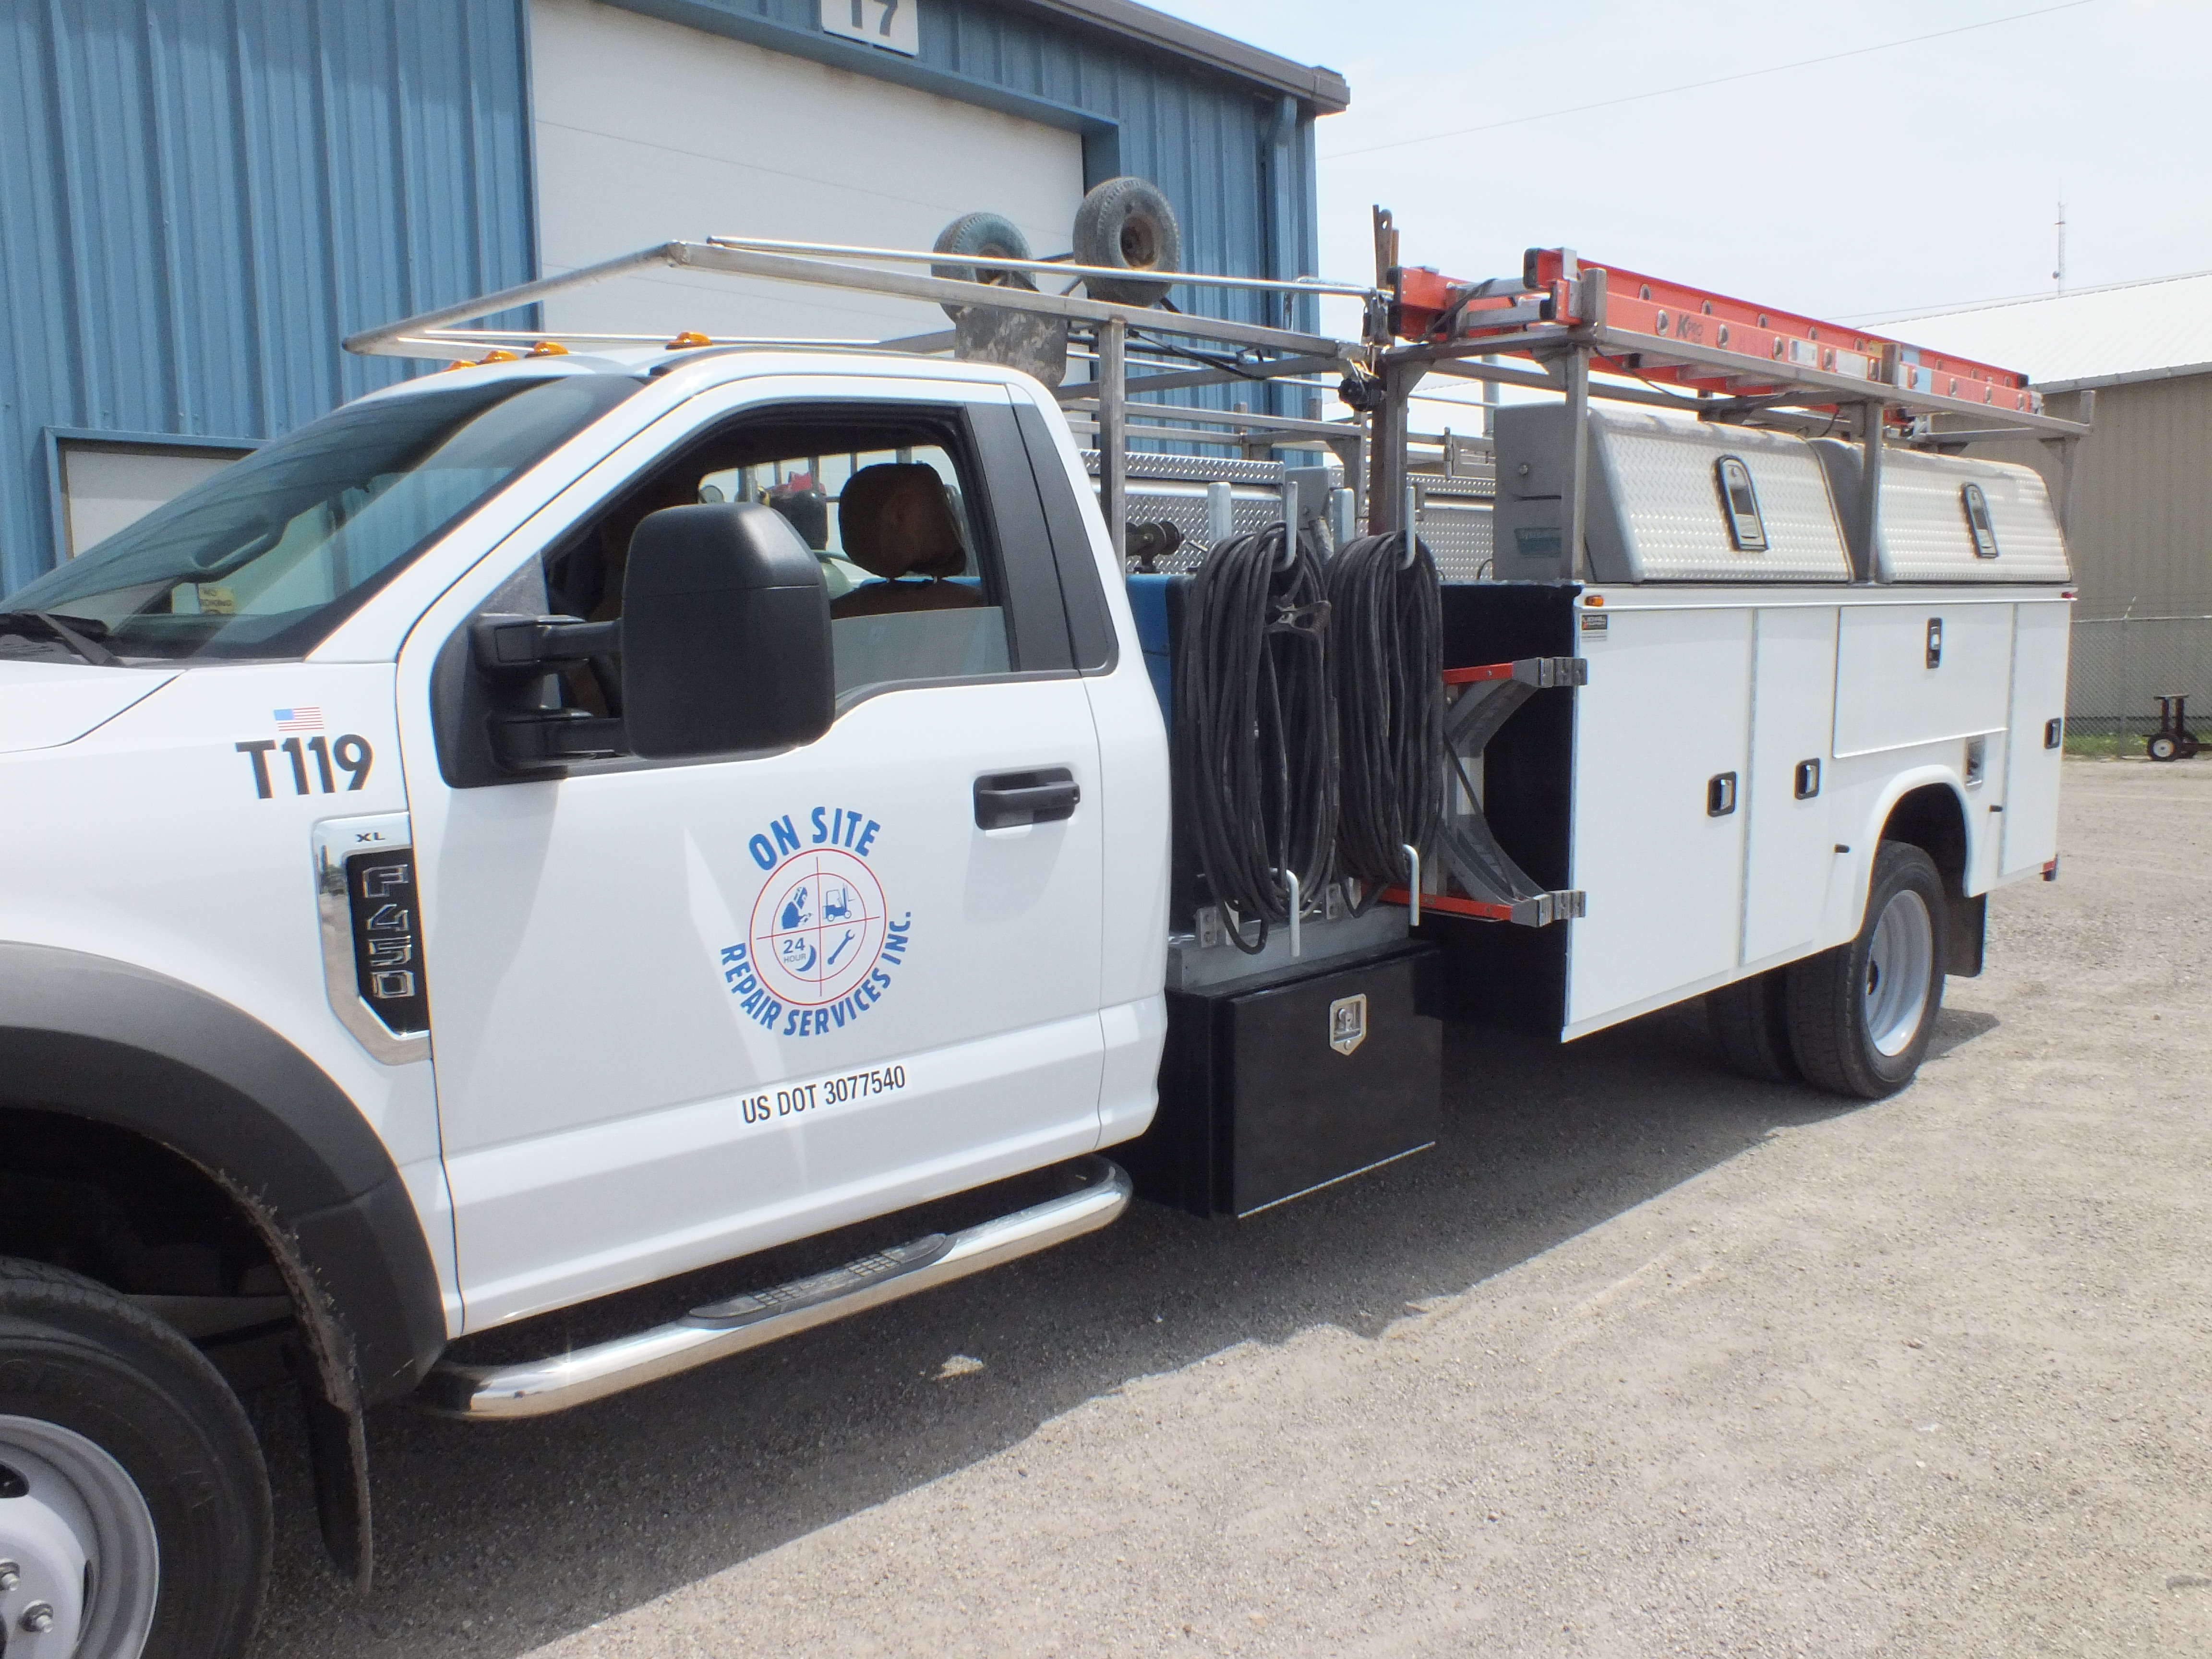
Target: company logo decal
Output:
{"points": [[824, 941]]}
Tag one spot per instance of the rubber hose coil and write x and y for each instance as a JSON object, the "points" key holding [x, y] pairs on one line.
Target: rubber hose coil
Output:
{"points": [[1386, 653], [1256, 730]]}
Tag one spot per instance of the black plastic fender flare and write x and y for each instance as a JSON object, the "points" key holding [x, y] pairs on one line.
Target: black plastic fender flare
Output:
{"points": [[87, 1036]]}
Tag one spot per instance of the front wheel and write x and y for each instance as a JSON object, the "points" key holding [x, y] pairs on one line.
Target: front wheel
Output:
{"points": [[1861, 1015], [134, 1507], [2163, 748]]}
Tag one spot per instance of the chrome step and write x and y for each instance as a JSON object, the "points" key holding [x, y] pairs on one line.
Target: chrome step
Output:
{"points": [[535, 1388]]}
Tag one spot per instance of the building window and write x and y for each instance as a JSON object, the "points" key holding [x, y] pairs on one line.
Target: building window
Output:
{"points": [[106, 484]]}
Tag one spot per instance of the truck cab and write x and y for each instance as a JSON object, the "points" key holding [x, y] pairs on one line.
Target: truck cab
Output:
{"points": [[686, 1006]]}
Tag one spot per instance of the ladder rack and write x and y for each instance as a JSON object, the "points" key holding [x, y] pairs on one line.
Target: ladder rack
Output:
{"points": [[1663, 343], [1704, 353]]}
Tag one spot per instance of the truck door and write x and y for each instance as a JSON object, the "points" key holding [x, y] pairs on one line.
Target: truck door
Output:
{"points": [[684, 1012]]}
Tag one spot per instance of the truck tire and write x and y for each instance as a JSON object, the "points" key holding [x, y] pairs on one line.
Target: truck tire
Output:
{"points": [[1127, 223], [1750, 1022], [134, 1503], [1861, 1015], [981, 236]]}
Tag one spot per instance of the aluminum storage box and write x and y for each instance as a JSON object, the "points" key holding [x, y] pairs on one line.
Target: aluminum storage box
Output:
{"points": [[1928, 533], [1657, 510]]}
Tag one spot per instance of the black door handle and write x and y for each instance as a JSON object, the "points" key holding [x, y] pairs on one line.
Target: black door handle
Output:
{"points": [[1011, 799]]}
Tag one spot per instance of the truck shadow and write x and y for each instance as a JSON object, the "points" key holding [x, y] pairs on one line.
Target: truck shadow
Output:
{"points": [[495, 1539]]}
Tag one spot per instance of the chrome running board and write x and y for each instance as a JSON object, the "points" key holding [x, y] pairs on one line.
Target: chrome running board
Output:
{"points": [[537, 1387]]}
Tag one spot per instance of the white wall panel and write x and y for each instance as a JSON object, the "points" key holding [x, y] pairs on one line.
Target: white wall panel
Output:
{"points": [[647, 131]]}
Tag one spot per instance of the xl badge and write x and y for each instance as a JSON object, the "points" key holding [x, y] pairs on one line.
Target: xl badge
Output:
{"points": [[1347, 1023]]}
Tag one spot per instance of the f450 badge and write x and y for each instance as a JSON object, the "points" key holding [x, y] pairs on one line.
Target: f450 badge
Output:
{"points": [[823, 942]]}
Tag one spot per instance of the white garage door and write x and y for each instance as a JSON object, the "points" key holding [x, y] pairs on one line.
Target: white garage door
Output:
{"points": [[648, 131]]}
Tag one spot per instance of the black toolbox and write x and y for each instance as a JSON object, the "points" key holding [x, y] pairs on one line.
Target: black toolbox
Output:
{"points": [[1270, 1088]]}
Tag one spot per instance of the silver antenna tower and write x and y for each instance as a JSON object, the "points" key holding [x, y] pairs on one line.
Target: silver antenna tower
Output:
{"points": [[2059, 275]]}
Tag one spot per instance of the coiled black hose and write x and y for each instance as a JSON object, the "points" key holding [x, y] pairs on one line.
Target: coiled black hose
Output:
{"points": [[1386, 653], [1255, 728]]}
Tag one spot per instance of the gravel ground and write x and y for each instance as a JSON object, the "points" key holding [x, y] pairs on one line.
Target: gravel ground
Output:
{"points": [[1641, 1360]]}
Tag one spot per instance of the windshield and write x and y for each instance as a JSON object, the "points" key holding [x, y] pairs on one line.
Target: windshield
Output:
{"points": [[269, 555]]}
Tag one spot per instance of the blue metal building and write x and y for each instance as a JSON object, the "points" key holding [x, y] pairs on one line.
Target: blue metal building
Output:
{"points": [[199, 198]]}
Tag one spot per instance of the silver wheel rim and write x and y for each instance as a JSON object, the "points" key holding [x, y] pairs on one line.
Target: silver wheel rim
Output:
{"points": [[1900, 963], [79, 1544]]}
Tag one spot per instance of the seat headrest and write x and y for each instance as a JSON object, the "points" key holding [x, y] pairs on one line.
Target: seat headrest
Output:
{"points": [[897, 519], [807, 508]]}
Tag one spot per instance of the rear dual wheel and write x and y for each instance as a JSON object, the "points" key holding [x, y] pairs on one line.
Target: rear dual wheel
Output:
{"points": [[1855, 1020], [134, 1508]]}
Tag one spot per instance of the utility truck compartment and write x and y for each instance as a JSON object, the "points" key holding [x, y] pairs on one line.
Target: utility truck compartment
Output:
{"points": [[1671, 499], [1920, 673], [1949, 517]]}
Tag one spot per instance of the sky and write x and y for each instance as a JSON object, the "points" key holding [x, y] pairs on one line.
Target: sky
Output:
{"points": [[1912, 179]]}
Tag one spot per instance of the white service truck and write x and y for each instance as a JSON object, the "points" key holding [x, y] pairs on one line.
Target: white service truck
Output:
{"points": [[545, 829]]}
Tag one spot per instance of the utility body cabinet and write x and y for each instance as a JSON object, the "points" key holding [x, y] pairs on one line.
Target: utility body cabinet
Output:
{"points": [[1765, 683]]}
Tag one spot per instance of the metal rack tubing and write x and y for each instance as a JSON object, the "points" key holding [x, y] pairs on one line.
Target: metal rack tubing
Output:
{"points": [[1792, 385], [1291, 423], [1065, 267], [1204, 440], [1114, 434], [779, 267], [1180, 379], [1537, 380]]}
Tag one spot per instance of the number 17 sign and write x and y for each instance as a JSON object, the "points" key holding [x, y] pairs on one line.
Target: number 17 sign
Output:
{"points": [[888, 23]]}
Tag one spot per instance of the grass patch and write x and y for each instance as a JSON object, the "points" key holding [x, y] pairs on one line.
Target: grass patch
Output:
{"points": [[2107, 744]]}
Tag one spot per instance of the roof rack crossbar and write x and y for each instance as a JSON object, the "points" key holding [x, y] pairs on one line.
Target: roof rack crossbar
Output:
{"points": [[1049, 267], [391, 338]]}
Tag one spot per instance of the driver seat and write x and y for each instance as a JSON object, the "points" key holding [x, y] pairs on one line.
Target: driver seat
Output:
{"points": [[896, 522]]}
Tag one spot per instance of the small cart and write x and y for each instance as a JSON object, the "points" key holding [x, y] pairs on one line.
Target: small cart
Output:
{"points": [[2173, 740]]}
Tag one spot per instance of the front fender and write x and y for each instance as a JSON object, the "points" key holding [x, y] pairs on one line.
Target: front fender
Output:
{"points": [[95, 1038]]}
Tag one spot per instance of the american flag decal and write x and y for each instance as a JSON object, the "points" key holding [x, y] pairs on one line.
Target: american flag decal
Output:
{"points": [[302, 719]]}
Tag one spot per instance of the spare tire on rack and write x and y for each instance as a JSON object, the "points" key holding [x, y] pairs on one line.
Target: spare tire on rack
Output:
{"points": [[981, 236], [1127, 223]]}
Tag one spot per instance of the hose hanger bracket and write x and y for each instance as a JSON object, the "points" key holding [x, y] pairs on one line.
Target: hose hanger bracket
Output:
{"points": [[1492, 886]]}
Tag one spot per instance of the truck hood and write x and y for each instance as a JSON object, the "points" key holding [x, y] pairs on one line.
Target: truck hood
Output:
{"points": [[43, 705]]}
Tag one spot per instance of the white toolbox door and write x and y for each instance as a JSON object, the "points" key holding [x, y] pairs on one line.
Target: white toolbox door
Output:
{"points": [[2031, 763], [1667, 712], [1792, 854], [1920, 668]]}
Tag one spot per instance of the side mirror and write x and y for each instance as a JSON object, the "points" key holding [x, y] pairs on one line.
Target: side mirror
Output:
{"points": [[725, 634]]}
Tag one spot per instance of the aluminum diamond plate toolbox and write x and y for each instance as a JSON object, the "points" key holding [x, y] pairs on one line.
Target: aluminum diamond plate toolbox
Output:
{"points": [[1954, 517], [1672, 499]]}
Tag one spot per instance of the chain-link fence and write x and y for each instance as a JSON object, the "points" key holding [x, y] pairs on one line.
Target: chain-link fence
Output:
{"points": [[2123, 664]]}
